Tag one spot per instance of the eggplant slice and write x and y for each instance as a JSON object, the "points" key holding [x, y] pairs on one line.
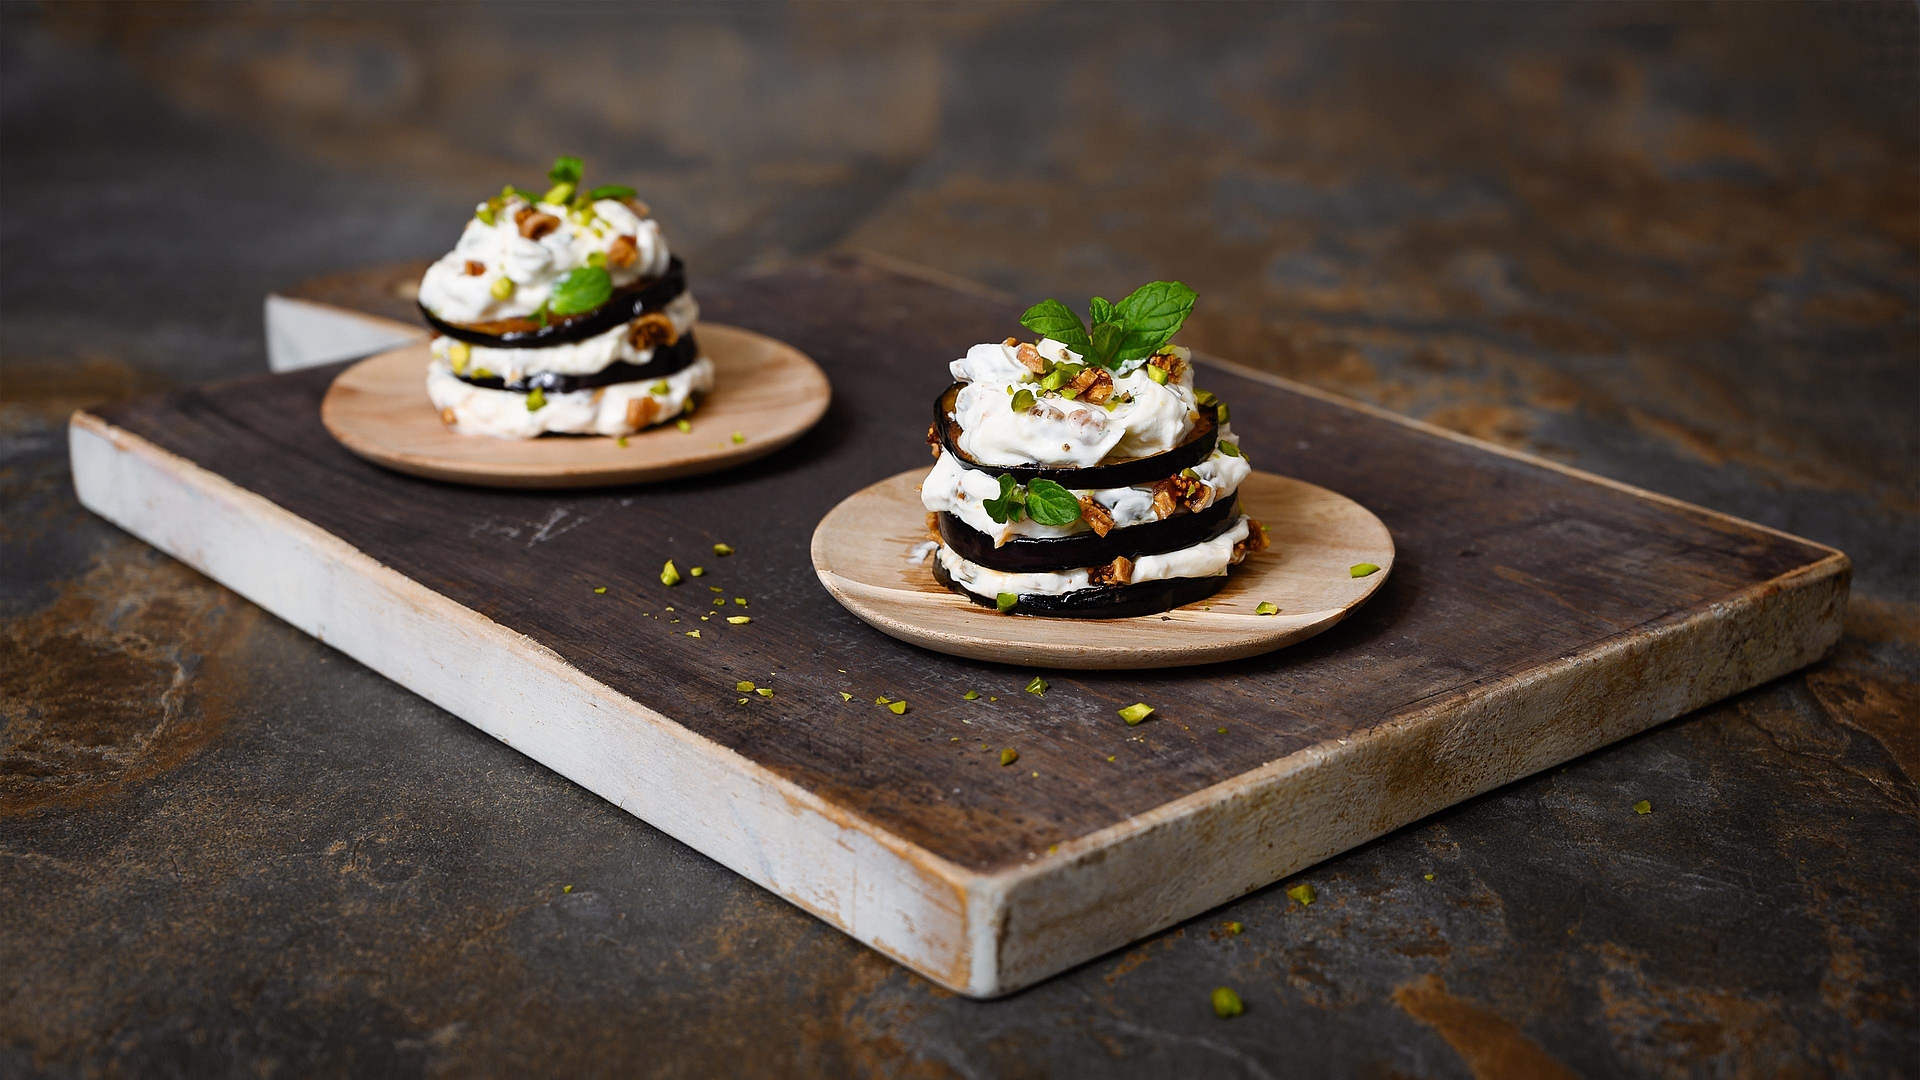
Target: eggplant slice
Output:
{"points": [[1040, 555], [1101, 601], [666, 360], [1196, 449], [626, 305]]}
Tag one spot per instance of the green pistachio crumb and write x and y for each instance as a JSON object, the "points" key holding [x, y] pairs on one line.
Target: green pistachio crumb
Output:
{"points": [[1005, 601], [698, 571], [738, 438], [1157, 374], [743, 701], [1222, 412], [1110, 757], [1136, 712], [1643, 807], [597, 259], [1038, 687], [971, 695], [740, 600], [536, 400], [621, 442], [882, 700], [765, 691], [743, 686], [1428, 877], [844, 696], [1266, 608], [670, 575], [723, 550], [1204, 397], [1236, 929], [693, 633], [715, 588], [1362, 569], [502, 288], [684, 426], [658, 389], [1226, 1003], [739, 620], [1009, 756], [898, 708], [1303, 892], [1022, 401], [484, 213], [1229, 449]]}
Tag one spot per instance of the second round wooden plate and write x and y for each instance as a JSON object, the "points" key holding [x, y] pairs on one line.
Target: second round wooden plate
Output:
{"points": [[862, 551], [767, 390]]}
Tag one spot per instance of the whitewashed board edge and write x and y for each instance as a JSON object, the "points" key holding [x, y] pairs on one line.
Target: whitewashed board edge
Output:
{"points": [[304, 333]]}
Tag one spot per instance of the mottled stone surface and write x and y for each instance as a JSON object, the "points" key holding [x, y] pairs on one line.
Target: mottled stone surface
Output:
{"points": [[1675, 246]]}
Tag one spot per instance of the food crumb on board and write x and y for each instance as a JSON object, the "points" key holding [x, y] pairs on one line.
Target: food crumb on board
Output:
{"points": [[1304, 893], [1227, 1004], [1643, 807]]}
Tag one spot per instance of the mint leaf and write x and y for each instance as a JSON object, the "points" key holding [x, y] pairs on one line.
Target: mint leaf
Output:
{"points": [[566, 170], [1099, 311], [612, 191], [1010, 503], [1153, 312], [583, 289], [1107, 338], [1050, 504], [1053, 319]]}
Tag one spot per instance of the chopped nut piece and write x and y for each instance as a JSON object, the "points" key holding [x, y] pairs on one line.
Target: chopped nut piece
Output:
{"points": [[1117, 572], [1038, 687], [1136, 712], [652, 330], [1169, 363], [1011, 342], [1235, 928], [670, 575], [898, 708], [534, 224], [1176, 492], [622, 252], [1364, 569], [1009, 756], [743, 687], [475, 268], [764, 691], [933, 525], [933, 440], [1256, 541], [1096, 516], [641, 411], [1227, 1004], [1030, 358], [1643, 807], [1304, 893], [971, 695], [739, 620], [447, 417], [723, 550], [1094, 385], [1266, 608]]}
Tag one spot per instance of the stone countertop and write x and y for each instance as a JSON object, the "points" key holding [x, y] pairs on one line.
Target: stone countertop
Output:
{"points": [[1675, 246]]}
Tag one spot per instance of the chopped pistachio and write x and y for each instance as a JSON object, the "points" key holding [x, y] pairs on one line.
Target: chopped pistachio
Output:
{"points": [[536, 400], [1204, 397], [882, 700], [1219, 731], [765, 691], [1229, 449], [660, 387], [743, 686], [600, 590], [1157, 374], [502, 288], [1136, 712], [1643, 807], [971, 695], [597, 259], [743, 701], [1236, 929], [459, 353], [1022, 401], [684, 426], [1009, 756], [738, 438], [1110, 757], [723, 550], [558, 194], [1226, 1003], [693, 633], [1189, 474], [621, 442], [1362, 569], [484, 213], [740, 600], [688, 407], [715, 588], [898, 708], [844, 696], [482, 373], [1222, 412], [1266, 608], [1005, 601], [1428, 877], [698, 571], [670, 575], [1038, 687], [1303, 892], [739, 620]]}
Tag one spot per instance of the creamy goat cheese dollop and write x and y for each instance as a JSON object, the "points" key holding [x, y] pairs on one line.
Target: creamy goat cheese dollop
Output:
{"points": [[1142, 417], [464, 286], [1209, 558], [620, 409], [952, 488]]}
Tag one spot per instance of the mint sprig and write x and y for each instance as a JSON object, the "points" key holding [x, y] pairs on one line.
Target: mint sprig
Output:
{"points": [[1042, 500], [1135, 328], [583, 289], [566, 170], [1011, 504]]}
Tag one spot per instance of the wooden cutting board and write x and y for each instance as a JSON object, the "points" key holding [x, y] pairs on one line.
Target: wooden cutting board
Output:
{"points": [[1534, 613]]}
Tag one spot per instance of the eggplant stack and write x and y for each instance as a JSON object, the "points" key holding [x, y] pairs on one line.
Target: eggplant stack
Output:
{"points": [[1082, 475], [562, 312]]}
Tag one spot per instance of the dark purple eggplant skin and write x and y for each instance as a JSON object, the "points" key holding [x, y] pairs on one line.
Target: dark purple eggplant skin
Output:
{"points": [[1101, 601], [1033, 555], [626, 305], [666, 360], [1146, 470]]}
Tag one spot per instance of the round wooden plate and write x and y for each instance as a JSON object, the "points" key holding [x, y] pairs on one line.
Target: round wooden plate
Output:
{"points": [[768, 391], [862, 552]]}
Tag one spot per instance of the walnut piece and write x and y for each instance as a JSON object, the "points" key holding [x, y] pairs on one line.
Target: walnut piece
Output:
{"points": [[1117, 572], [1030, 358], [1176, 492], [475, 268], [652, 330], [1170, 364], [933, 441], [622, 252], [1098, 519], [641, 411], [1256, 541], [933, 526], [1093, 386], [448, 418], [534, 224]]}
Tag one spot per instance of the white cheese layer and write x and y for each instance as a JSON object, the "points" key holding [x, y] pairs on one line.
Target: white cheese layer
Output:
{"points": [[953, 488], [587, 356], [1209, 558], [1151, 417], [503, 414], [454, 294]]}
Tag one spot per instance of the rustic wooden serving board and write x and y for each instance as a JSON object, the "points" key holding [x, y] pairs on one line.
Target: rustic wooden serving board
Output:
{"points": [[1533, 614]]}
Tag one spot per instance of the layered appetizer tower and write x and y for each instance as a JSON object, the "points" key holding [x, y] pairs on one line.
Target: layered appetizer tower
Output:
{"points": [[564, 313], [1082, 474]]}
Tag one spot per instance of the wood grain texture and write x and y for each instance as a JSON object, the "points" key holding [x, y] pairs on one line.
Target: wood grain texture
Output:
{"points": [[1533, 614], [765, 390], [860, 552]]}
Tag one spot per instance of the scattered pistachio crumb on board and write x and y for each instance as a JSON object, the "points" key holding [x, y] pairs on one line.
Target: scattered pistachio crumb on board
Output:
{"points": [[1009, 756], [1643, 807], [1227, 1004], [1266, 608], [1136, 712], [602, 589], [1038, 687], [1303, 892], [723, 550], [1363, 569], [739, 620], [844, 696]]}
